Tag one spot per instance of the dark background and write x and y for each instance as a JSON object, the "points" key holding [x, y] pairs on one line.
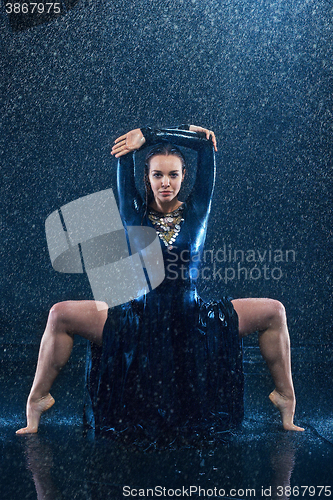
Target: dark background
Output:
{"points": [[257, 72]]}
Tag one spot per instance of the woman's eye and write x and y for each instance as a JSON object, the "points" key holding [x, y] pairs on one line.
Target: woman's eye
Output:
{"points": [[158, 176]]}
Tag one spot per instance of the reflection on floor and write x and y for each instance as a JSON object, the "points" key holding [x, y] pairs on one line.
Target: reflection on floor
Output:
{"points": [[260, 460]]}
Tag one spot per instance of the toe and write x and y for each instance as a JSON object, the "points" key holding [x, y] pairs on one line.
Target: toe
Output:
{"points": [[26, 430], [293, 427]]}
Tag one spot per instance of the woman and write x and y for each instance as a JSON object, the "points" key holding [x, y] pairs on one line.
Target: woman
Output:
{"points": [[166, 359]]}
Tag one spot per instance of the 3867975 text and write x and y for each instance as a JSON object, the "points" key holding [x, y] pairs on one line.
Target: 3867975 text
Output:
{"points": [[303, 491], [40, 7]]}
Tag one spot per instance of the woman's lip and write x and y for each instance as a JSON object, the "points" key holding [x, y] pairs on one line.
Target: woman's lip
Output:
{"points": [[165, 192]]}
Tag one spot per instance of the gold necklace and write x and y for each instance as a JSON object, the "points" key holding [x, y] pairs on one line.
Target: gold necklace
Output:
{"points": [[167, 225]]}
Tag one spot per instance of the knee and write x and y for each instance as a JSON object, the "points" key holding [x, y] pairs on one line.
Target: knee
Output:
{"points": [[276, 312], [59, 315]]}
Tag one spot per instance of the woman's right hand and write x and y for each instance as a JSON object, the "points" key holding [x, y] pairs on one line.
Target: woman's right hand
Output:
{"points": [[128, 142]]}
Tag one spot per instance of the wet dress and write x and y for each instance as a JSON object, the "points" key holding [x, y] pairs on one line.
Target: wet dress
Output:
{"points": [[169, 361]]}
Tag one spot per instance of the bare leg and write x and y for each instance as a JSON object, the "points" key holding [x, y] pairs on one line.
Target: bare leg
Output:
{"points": [[268, 317], [65, 319]]}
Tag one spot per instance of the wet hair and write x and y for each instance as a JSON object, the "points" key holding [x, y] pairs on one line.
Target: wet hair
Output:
{"points": [[163, 149]]}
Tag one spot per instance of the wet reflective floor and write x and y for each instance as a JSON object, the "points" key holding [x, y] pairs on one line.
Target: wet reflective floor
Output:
{"points": [[259, 460]]}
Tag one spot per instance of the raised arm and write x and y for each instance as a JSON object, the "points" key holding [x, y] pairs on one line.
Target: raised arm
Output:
{"points": [[197, 138], [135, 139], [130, 199]]}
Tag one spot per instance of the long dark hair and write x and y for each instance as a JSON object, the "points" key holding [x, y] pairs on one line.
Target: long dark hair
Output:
{"points": [[163, 149]]}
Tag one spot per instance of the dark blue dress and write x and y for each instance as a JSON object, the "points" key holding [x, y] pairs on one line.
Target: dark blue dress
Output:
{"points": [[170, 363]]}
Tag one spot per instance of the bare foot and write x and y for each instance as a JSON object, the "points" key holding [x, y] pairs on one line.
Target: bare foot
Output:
{"points": [[34, 411], [286, 407]]}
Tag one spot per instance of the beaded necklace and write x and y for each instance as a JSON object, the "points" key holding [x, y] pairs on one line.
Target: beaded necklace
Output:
{"points": [[168, 225]]}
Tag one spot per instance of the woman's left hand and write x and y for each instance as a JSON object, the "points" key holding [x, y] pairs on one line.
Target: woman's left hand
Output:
{"points": [[128, 142], [209, 134]]}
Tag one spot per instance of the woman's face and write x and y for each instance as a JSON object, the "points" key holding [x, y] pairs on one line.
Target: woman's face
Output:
{"points": [[165, 176]]}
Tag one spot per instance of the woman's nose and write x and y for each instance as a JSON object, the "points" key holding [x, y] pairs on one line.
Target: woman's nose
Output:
{"points": [[165, 181]]}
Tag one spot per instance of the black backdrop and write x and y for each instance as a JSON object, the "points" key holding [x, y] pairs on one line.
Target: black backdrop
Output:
{"points": [[257, 72]]}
